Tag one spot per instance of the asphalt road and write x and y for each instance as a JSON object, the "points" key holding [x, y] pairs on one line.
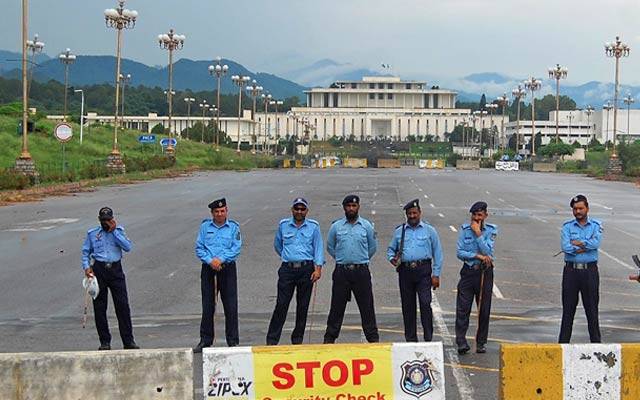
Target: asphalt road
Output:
{"points": [[41, 299]]}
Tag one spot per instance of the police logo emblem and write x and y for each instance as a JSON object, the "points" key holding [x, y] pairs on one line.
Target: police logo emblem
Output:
{"points": [[219, 204], [417, 378]]}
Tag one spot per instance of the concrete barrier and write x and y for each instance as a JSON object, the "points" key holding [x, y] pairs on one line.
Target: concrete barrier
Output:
{"points": [[544, 167], [431, 164], [467, 164], [388, 163], [325, 162], [354, 163], [338, 372], [570, 371], [507, 166], [108, 375]]}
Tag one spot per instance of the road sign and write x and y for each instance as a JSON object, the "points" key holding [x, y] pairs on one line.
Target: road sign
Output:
{"points": [[147, 139], [164, 142], [63, 132]]}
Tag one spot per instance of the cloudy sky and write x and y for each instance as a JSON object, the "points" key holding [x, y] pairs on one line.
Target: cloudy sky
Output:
{"points": [[444, 39]]}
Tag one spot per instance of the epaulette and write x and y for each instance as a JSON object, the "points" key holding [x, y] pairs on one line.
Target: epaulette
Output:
{"points": [[204, 221], [313, 221], [282, 221], [94, 229], [494, 226], [596, 221], [465, 226], [568, 221], [233, 222]]}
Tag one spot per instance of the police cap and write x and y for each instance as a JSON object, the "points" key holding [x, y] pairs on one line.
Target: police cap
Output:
{"points": [[300, 200], [352, 198], [218, 203], [578, 199], [478, 206], [105, 214], [412, 204]]}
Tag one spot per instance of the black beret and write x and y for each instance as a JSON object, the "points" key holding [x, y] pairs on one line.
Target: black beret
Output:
{"points": [[478, 206], [218, 203], [578, 199], [352, 198], [413, 203], [105, 213]]}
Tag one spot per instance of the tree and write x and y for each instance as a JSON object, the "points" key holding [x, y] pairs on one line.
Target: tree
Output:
{"points": [[483, 102], [557, 149]]}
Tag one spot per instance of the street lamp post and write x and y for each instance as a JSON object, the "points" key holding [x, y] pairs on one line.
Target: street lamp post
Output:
{"points": [[218, 71], [518, 93], [241, 81], [81, 111], [213, 110], [66, 58], [254, 91], [503, 102], [533, 84], [189, 100], [557, 73], [570, 119], [478, 115], [616, 49], [124, 80], [204, 107], [24, 163], [589, 111], [607, 107], [276, 103], [628, 101], [266, 98], [34, 46], [492, 107], [118, 18], [171, 42]]}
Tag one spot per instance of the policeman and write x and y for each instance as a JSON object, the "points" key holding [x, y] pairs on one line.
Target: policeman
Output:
{"points": [[298, 242], [104, 245], [416, 253], [352, 243], [580, 240], [475, 249], [218, 246]]}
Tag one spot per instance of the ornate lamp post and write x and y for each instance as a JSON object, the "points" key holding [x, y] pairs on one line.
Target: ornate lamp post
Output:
{"points": [[276, 103], [589, 111], [607, 107], [24, 163], [628, 101], [189, 100], [492, 107], [503, 102], [124, 80], [67, 58], [616, 49], [171, 42], [266, 99], [34, 46], [557, 73], [118, 18], [254, 91], [241, 81], [204, 107], [518, 93], [213, 110], [218, 71], [533, 84]]}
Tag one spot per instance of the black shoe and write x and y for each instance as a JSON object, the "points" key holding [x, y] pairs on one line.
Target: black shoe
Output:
{"points": [[464, 350], [200, 346], [104, 347], [131, 346], [481, 348]]}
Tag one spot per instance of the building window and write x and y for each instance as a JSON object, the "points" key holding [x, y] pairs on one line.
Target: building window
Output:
{"points": [[380, 96], [380, 85], [372, 86], [408, 86], [390, 96], [389, 85], [335, 99], [326, 100], [372, 96], [353, 85]]}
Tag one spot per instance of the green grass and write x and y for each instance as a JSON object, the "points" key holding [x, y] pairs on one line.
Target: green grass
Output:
{"points": [[97, 144]]}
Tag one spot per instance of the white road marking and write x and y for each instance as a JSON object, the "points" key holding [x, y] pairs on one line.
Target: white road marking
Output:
{"points": [[373, 212], [616, 259], [487, 192], [419, 189], [441, 215], [501, 200], [602, 205], [291, 191], [432, 206], [625, 232], [497, 292], [246, 222], [57, 221], [375, 194], [539, 219], [453, 228], [426, 197], [463, 382], [374, 203], [42, 228]]}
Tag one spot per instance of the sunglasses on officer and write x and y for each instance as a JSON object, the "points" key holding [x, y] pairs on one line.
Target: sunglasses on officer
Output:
{"points": [[300, 208]]}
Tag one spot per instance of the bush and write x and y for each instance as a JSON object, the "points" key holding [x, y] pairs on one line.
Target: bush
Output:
{"points": [[147, 164], [11, 179], [93, 171], [452, 158]]}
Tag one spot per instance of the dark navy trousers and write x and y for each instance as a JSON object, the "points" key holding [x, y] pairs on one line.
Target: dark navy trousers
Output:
{"points": [[468, 289], [585, 282], [227, 283], [416, 282], [112, 279]]}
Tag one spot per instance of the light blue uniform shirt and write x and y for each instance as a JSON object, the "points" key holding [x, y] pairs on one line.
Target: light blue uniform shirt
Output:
{"points": [[299, 243], [590, 234], [420, 243], [469, 245], [351, 243], [221, 242], [104, 246]]}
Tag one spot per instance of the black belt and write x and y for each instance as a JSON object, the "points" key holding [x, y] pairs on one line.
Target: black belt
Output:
{"points": [[107, 265], [575, 265], [352, 266], [416, 264], [477, 267], [298, 264]]}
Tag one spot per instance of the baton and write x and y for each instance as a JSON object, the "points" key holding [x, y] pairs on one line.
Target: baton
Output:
{"points": [[313, 310], [86, 306]]}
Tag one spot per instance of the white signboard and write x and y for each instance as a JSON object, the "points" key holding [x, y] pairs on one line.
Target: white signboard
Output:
{"points": [[63, 132], [507, 165]]}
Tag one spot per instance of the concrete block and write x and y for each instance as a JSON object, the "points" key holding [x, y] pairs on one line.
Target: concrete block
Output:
{"points": [[467, 164], [388, 163], [544, 167]]}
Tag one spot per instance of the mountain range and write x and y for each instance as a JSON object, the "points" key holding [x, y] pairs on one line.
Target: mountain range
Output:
{"points": [[189, 74]]}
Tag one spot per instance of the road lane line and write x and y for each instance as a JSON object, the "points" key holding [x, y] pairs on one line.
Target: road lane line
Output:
{"points": [[432, 206], [602, 205], [450, 349], [624, 264], [426, 197], [453, 228], [625, 232], [487, 192], [472, 367], [373, 212], [497, 292], [246, 222], [441, 215], [501, 200]]}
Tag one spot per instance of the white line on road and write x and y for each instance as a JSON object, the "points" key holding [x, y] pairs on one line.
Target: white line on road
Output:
{"points": [[453, 228], [487, 192], [501, 200], [426, 197], [432, 206], [616, 259], [375, 194], [539, 219], [602, 205], [419, 189], [374, 203], [291, 191], [627, 233], [463, 382], [246, 222], [441, 215], [373, 212], [497, 292]]}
